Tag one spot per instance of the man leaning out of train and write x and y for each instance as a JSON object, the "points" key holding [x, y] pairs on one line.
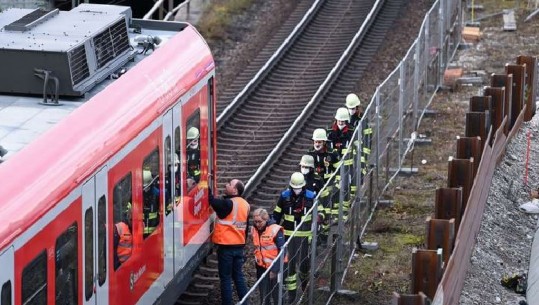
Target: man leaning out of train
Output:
{"points": [[268, 239], [230, 235]]}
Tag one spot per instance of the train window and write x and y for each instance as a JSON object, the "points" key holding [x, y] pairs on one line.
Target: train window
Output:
{"points": [[122, 216], [6, 294], [66, 267], [177, 159], [89, 253], [102, 240], [168, 175], [151, 194], [34, 281], [193, 150]]}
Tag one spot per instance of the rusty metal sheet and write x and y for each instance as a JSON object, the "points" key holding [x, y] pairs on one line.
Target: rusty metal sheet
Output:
{"points": [[426, 271], [441, 234], [531, 81], [460, 174], [477, 125], [519, 74], [470, 147], [498, 103], [448, 204], [480, 103], [505, 81]]}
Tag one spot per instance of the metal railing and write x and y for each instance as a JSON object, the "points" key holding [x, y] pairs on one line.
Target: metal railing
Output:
{"points": [[384, 137], [162, 6]]}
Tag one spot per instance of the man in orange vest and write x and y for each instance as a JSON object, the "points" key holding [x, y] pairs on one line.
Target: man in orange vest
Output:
{"points": [[230, 235], [123, 240], [268, 239]]}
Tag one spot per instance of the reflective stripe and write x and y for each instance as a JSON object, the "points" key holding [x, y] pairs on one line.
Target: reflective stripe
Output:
{"points": [[344, 151], [277, 209], [152, 215], [349, 162], [367, 131], [353, 188], [366, 150], [298, 233]]}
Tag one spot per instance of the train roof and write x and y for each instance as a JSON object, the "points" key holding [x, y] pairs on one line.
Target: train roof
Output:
{"points": [[52, 149]]}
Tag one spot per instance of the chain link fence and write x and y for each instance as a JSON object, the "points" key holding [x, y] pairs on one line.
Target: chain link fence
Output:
{"points": [[314, 267]]}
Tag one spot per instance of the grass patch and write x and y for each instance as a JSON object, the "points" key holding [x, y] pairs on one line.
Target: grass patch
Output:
{"points": [[218, 16]]}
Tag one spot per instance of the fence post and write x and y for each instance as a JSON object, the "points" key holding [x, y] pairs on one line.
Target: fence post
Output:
{"points": [[340, 223], [401, 114], [314, 240], [416, 82], [281, 275], [441, 64]]}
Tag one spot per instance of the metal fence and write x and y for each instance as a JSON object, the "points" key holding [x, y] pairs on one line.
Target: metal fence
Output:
{"points": [[316, 265]]}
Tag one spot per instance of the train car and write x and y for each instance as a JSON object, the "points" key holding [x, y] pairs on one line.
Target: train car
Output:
{"points": [[109, 124]]}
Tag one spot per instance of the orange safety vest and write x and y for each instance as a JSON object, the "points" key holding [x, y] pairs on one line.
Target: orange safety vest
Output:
{"points": [[231, 229], [125, 245], [265, 248]]}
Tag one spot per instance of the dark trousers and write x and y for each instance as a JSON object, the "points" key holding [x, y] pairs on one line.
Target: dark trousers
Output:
{"points": [[298, 256], [268, 287], [230, 263]]}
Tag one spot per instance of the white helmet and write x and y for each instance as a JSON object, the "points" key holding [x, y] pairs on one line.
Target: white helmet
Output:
{"points": [[147, 178], [320, 134], [352, 100], [307, 160], [297, 180], [342, 114], [193, 133]]}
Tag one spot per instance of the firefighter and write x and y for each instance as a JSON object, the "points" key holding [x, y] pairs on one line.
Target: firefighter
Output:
{"points": [[150, 207], [356, 115], [324, 158], [292, 208], [354, 108], [268, 239], [193, 154], [340, 136], [314, 182], [230, 235], [340, 133]]}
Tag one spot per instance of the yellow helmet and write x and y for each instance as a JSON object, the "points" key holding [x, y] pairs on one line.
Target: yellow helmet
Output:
{"points": [[320, 134], [193, 133], [352, 101], [297, 180], [342, 114], [307, 160]]}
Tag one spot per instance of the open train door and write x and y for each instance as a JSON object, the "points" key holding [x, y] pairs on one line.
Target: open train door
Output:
{"points": [[7, 261]]}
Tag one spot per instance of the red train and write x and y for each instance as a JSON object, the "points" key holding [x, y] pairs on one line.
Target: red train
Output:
{"points": [[121, 157]]}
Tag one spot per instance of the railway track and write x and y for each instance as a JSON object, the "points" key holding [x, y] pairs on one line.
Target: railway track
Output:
{"points": [[254, 123], [262, 115], [251, 125]]}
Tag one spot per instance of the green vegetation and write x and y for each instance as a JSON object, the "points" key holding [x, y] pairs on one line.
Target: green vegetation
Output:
{"points": [[219, 15]]}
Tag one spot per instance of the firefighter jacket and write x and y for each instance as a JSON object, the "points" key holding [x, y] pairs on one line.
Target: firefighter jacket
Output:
{"points": [[313, 182], [324, 161], [193, 164], [339, 139], [355, 118], [291, 209], [231, 230], [150, 209], [125, 243], [267, 243]]}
